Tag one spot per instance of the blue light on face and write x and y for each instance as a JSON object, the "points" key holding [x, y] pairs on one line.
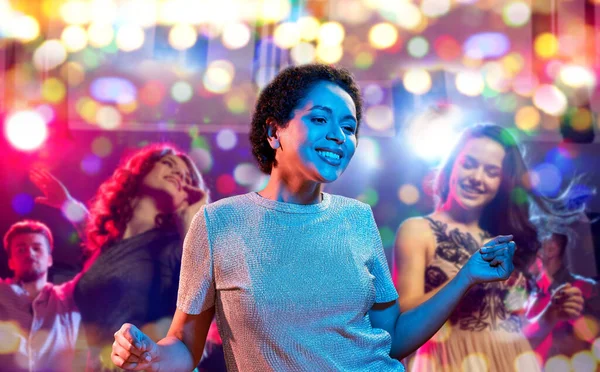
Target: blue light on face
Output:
{"points": [[486, 45]]}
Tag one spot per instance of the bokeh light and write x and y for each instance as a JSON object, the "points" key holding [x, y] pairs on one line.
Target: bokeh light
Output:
{"points": [[108, 117], [369, 196], [408, 194], [525, 360], [91, 164], [74, 38], [26, 130], [527, 118], [418, 47], [226, 184], [383, 35], [182, 91], [546, 179], [275, 10], [22, 204], [130, 38], [331, 34], [219, 76], [417, 81], [469, 83], [202, 158], [286, 35], [303, 53], [75, 12], [152, 93], [447, 48], [100, 34], [73, 73], [435, 8], [53, 90], [550, 100], [236, 35], [182, 36], [329, 53], [583, 361], [475, 362], [226, 139], [516, 13], [586, 328], [50, 54], [546, 45], [407, 15], [379, 117], [309, 28], [433, 133], [577, 76], [24, 28], [102, 147], [113, 90], [558, 363], [486, 45], [373, 94]]}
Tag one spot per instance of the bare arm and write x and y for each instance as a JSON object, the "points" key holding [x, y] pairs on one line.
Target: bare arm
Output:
{"points": [[413, 240], [410, 329], [180, 350]]}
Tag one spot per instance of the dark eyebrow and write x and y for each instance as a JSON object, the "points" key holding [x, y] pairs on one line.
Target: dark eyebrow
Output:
{"points": [[186, 171], [488, 166], [330, 112]]}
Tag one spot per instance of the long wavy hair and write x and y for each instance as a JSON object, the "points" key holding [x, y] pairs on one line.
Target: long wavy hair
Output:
{"points": [[111, 208], [516, 204]]}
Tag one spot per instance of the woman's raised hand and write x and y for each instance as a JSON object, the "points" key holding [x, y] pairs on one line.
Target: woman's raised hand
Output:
{"points": [[55, 193]]}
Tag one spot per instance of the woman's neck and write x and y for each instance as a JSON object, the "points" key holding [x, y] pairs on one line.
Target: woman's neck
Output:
{"points": [[292, 189], [453, 211], [143, 218]]}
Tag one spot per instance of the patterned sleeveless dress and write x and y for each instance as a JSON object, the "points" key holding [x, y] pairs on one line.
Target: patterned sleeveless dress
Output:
{"points": [[484, 333]]}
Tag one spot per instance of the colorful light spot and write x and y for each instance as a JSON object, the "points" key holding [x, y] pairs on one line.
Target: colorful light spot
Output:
{"points": [[26, 130]]}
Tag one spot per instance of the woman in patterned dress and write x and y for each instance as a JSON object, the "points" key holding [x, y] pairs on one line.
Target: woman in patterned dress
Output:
{"points": [[482, 190]]}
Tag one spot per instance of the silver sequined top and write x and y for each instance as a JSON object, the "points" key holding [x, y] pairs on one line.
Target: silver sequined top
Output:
{"points": [[292, 284]]}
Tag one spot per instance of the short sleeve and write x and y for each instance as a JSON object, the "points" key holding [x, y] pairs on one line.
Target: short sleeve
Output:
{"points": [[196, 283], [384, 286]]}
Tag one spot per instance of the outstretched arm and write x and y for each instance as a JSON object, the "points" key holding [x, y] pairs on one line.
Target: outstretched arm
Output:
{"points": [[409, 330], [56, 195]]}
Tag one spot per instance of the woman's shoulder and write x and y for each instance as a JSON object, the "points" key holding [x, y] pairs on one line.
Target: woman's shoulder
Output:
{"points": [[418, 224]]}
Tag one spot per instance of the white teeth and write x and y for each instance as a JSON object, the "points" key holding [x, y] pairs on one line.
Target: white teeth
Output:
{"points": [[329, 154]]}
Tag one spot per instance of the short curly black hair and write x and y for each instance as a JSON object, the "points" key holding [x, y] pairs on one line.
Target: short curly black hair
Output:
{"points": [[282, 95]]}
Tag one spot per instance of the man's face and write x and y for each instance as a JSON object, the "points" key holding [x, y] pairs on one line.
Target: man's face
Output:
{"points": [[30, 256]]}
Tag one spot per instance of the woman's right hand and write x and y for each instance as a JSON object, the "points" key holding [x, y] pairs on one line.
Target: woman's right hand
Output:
{"points": [[135, 351], [56, 194]]}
